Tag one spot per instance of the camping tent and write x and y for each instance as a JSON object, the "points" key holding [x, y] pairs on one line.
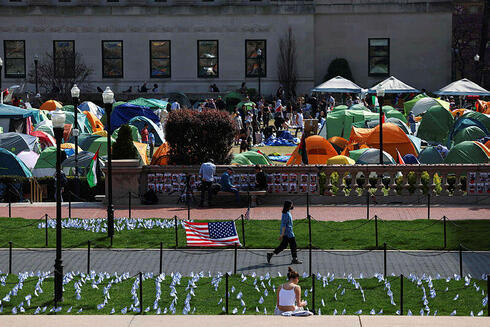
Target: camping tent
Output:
{"points": [[430, 155], [94, 122], [469, 152], [339, 143], [470, 133], [93, 108], [84, 161], [17, 142], [141, 148], [123, 114], [134, 133], [12, 165], [44, 138], [408, 105], [160, 156], [463, 87], [51, 105], [99, 143], [371, 156], [250, 158], [340, 160], [10, 115], [422, 105], [29, 158], [436, 125], [339, 123], [46, 163], [140, 122], [483, 106], [83, 124], [393, 85], [153, 104], [375, 122], [338, 84], [318, 150], [355, 154], [45, 126]]}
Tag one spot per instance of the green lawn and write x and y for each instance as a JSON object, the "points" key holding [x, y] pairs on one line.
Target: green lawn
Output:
{"points": [[355, 235], [338, 295]]}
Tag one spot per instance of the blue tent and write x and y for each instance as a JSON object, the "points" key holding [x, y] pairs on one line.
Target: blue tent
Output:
{"points": [[123, 113], [93, 108], [410, 159], [18, 142], [7, 111], [12, 165], [140, 122], [430, 155]]}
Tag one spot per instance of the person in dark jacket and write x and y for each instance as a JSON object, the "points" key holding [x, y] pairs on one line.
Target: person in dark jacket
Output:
{"points": [[260, 179], [226, 185]]}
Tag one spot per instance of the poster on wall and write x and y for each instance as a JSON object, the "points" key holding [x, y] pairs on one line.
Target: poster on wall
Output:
{"points": [[478, 183]]}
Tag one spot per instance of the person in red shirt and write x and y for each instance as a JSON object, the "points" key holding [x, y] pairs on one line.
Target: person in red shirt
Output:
{"points": [[144, 134]]}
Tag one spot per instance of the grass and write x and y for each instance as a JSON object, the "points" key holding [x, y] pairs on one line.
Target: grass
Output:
{"points": [[348, 235], [207, 300]]}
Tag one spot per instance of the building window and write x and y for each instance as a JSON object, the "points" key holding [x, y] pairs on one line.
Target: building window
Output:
{"points": [[253, 63], [208, 59], [15, 58], [64, 58], [112, 59], [379, 57], [160, 59]]}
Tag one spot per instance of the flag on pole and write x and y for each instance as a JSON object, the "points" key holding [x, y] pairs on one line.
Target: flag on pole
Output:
{"points": [[302, 150], [383, 118], [221, 233], [400, 158], [92, 172]]}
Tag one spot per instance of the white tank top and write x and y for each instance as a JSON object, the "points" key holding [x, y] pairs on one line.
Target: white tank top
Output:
{"points": [[287, 297]]}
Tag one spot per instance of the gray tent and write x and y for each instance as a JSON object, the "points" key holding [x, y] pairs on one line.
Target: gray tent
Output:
{"points": [[375, 122], [430, 155], [84, 161], [17, 142], [371, 156]]}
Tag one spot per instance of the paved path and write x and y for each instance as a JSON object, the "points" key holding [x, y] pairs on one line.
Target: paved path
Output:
{"points": [[240, 321], [327, 212], [248, 261]]}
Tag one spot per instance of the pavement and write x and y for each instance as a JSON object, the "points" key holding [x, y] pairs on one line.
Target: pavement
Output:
{"points": [[240, 321], [319, 212], [340, 263]]}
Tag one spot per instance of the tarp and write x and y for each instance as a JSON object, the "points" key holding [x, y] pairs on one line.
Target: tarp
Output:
{"points": [[408, 105], [467, 152], [371, 156], [134, 133], [338, 84], [340, 160], [17, 142], [318, 150], [123, 114], [393, 85], [12, 165], [140, 122], [424, 104], [436, 125], [7, 111], [430, 155], [93, 108], [463, 87]]}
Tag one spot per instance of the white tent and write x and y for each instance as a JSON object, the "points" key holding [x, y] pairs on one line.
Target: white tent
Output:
{"points": [[463, 87], [424, 104], [338, 84], [394, 85]]}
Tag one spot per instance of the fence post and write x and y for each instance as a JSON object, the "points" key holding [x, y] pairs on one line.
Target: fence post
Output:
{"points": [[46, 229], [460, 261], [141, 293], [69, 204], [428, 205], [161, 257], [401, 295], [309, 227], [226, 295], [488, 296], [243, 230], [384, 259], [376, 229], [235, 259], [176, 233], [445, 239], [88, 257], [368, 200], [187, 198], [129, 204], [10, 257], [313, 293]]}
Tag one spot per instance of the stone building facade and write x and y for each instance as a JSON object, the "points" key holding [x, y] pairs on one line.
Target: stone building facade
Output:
{"points": [[185, 45]]}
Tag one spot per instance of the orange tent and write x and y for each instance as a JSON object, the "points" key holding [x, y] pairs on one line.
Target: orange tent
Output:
{"points": [[318, 150], [141, 147], [160, 157], [353, 146], [338, 142], [51, 105], [488, 144], [96, 124], [458, 112], [70, 146], [393, 139], [483, 106], [484, 147]]}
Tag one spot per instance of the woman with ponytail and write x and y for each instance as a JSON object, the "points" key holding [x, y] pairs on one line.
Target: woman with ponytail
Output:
{"points": [[289, 295]]}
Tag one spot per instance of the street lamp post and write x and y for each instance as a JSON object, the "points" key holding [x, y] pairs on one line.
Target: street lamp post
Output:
{"points": [[58, 119], [259, 58], [36, 61], [380, 93], [108, 99], [75, 95]]}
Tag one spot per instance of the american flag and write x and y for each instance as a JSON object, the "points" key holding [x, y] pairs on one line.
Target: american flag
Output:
{"points": [[221, 233]]}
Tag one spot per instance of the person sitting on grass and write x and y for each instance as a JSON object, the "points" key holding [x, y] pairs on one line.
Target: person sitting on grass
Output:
{"points": [[289, 295], [226, 185]]}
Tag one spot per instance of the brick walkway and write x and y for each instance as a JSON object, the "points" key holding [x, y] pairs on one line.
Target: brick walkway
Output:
{"points": [[330, 212]]}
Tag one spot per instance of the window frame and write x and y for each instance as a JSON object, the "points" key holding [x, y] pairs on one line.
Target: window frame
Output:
{"points": [[264, 56], [199, 58], [6, 59], [54, 58], [122, 59], [169, 59], [369, 57]]}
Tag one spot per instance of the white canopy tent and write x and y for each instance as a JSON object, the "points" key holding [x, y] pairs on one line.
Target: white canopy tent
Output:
{"points": [[463, 87], [393, 85], [338, 84]]}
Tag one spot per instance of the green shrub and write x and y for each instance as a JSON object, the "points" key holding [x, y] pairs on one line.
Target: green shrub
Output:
{"points": [[124, 147]]}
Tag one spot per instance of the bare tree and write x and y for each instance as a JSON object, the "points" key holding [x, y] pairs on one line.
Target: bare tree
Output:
{"points": [[57, 79], [286, 64]]}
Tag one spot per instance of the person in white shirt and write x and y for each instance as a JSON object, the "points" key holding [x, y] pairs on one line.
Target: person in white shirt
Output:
{"points": [[206, 172], [299, 122], [289, 294], [175, 105]]}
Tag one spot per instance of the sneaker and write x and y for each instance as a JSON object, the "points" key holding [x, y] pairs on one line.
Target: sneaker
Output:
{"points": [[295, 261], [269, 256]]}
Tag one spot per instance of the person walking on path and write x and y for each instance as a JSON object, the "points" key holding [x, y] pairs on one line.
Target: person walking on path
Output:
{"points": [[289, 294], [287, 234], [206, 172]]}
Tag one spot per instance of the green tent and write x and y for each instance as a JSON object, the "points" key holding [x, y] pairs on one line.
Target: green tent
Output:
{"points": [[436, 125], [430, 155], [231, 99], [358, 106], [69, 108], [250, 158], [470, 133], [83, 122], [466, 152], [340, 107], [134, 132], [248, 105], [339, 123], [100, 142], [46, 129], [407, 106], [395, 114], [47, 158], [240, 159], [150, 103], [478, 116], [355, 154]]}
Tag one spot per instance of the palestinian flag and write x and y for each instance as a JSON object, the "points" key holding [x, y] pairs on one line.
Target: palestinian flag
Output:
{"points": [[383, 120], [92, 172], [400, 158]]}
